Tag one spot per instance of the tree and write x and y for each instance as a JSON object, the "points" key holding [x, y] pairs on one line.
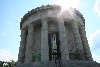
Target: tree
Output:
{"points": [[11, 63]]}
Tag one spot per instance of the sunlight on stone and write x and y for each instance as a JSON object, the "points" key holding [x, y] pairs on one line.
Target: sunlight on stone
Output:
{"points": [[67, 3]]}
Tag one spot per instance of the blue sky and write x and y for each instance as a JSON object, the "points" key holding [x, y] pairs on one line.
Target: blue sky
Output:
{"points": [[11, 12]]}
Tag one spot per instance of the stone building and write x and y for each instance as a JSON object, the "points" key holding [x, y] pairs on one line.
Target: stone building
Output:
{"points": [[48, 33]]}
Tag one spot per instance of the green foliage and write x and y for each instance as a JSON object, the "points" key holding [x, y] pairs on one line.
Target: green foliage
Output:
{"points": [[7, 64], [38, 57]]}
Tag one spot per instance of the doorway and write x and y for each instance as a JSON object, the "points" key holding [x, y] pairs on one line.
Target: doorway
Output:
{"points": [[54, 46]]}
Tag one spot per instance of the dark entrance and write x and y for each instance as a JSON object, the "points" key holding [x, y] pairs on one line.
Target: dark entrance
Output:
{"points": [[54, 49]]}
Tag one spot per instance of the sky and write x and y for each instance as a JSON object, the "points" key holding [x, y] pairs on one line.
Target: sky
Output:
{"points": [[11, 12]]}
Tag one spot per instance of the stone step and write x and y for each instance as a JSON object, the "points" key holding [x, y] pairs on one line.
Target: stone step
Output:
{"points": [[64, 64]]}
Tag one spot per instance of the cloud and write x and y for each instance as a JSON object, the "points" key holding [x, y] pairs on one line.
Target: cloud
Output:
{"points": [[94, 43], [67, 3], [97, 7], [96, 57], [6, 56], [3, 34], [94, 39], [10, 23]]}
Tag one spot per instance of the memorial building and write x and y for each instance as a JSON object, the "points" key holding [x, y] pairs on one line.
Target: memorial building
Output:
{"points": [[50, 34]]}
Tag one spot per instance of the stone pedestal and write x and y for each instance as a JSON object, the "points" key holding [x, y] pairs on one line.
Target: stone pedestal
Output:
{"points": [[44, 41], [62, 64]]}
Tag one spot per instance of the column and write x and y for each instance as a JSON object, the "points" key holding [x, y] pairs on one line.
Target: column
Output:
{"points": [[63, 40], [44, 41], [78, 42], [29, 45], [21, 55], [86, 47]]}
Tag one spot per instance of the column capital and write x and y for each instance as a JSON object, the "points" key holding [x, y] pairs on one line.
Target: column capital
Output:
{"points": [[44, 24], [44, 21]]}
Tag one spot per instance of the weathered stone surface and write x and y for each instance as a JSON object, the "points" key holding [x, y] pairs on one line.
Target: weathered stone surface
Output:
{"points": [[78, 42], [85, 43], [21, 55], [63, 40], [70, 41], [64, 64], [29, 44], [44, 41], [39, 46]]}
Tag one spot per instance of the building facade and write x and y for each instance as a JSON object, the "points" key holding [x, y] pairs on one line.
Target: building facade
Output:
{"points": [[48, 33]]}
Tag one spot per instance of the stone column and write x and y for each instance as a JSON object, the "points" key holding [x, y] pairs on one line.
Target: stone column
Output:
{"points": [[86, 47], [44, 41], [63, 40], [21, 55], [78, 41], [29, 45]]}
